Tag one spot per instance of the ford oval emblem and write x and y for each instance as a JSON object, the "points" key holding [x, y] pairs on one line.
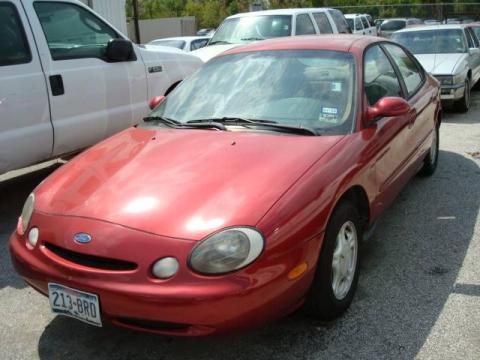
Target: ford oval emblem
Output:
{"points": [[82, 238]]}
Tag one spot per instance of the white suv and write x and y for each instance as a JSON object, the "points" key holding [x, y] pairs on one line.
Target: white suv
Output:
{"points": [[361, 24], [245, 28]]}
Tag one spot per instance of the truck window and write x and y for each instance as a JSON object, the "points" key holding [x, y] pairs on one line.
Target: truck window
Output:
{"points": [[13, 42], [323, 23], [73, 32], [340, 21], [304, 25]]}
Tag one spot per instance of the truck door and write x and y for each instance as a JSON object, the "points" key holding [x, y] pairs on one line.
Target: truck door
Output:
{"points": [[90, 97], [26, 135]]}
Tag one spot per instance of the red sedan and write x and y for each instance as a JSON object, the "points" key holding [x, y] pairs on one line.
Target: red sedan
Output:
{"points": [[242, 197]]}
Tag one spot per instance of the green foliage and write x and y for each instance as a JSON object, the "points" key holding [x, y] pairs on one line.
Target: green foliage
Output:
{"points": [[210, 13]]}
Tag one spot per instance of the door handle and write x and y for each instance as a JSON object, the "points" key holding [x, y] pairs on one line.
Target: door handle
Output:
{"points": [[56, 84]]}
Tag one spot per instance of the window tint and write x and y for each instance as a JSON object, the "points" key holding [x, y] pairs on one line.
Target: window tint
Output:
{"points": [[411, 73], [364, 22], [379, 77], [304, 25], [339, 21], [197, 44], [13, 43], [73, 32], [323, 23]]}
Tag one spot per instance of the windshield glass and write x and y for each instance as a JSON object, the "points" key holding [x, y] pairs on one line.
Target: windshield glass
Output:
{"points": [[393, 25], [179, 44], [445, 41], [251, 28], [301, 88]]}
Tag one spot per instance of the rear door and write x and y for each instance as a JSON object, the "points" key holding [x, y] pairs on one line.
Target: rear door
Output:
{"points": [[26, 135], [90, 98]]}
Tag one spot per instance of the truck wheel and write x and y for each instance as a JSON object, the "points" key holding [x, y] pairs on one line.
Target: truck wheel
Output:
{"points": [[337, 270], [431, 160], [463, 104]]}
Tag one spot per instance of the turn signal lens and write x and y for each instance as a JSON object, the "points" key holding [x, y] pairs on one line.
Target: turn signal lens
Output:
{"points": [[165, 268], [33, 237]]}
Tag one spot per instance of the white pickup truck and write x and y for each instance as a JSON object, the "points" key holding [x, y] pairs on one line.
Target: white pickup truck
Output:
{"points": [[69, 79]]}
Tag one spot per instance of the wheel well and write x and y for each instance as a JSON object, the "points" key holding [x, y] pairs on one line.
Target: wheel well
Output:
{"points": [[173, 86], [357, 195]]}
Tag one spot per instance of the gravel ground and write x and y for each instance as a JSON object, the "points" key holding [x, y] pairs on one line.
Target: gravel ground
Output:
{"points": [[418, 296]]}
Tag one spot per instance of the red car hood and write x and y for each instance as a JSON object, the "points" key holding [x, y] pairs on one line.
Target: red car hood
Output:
{"points": [[180, 183]]}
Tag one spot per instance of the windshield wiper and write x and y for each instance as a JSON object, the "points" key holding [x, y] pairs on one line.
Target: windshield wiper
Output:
{"points": [[177, 124], [257, 122], [252, 39], [219, 42]]}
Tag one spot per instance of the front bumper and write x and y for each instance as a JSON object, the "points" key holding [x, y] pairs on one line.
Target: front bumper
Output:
{"points": [[187, 304], [452, 92]]}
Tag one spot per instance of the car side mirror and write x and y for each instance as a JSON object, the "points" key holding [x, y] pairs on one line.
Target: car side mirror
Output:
{"points": [[155, 101], [120, 50], [388, 106]]}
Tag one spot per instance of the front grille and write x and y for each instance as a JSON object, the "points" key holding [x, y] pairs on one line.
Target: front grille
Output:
{"points": [[91, 261], [152, 325]]}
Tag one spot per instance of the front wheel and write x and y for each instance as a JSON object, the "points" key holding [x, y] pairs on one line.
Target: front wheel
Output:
{"points": [[336, 276]]}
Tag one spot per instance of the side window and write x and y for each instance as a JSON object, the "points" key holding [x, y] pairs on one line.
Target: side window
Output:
{"points": [[323, 23], [379, 77], [358, 24], [73, 32], [365, 23], [469, 39], [412, 75], [13, 42], [197, 44], [304, 25], [472, 38], [340, 22]]}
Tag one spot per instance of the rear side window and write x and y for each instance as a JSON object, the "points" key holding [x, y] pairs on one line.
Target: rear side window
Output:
{"points": [[412, 75], [304, 25], [73, 32], [380, 79], [13, 42], [339, 21], [323, 23]]}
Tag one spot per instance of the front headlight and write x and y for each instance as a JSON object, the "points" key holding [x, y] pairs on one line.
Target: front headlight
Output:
{"points": [[27, 213], [226, 251]]}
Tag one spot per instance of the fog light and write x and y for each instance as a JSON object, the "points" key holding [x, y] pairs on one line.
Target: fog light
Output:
{"points": [[165, 268], [33, 237]]}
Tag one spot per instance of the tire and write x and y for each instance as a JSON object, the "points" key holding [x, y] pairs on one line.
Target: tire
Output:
{"points": [[323, 302], [463, 104], [431, 160]]}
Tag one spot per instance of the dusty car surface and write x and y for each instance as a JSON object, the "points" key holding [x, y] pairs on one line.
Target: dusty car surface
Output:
{"points": [[242, 197], [450, 53]]}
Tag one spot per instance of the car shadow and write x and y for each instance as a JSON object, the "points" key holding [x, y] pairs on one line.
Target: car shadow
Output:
{"points": [[409, 268], [13, 193]]}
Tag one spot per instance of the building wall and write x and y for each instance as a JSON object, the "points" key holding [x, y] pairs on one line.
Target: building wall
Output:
{"points": [[161, 28]]}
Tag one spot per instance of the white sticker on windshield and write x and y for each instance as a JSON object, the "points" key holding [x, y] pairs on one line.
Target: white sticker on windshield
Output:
{"points": [[337, 86], [328, 114]]}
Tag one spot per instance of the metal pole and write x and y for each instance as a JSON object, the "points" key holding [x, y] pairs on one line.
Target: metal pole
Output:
{"points": [[135, 21]]}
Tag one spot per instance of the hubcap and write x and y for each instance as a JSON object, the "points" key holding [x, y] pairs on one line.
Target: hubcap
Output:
{"points": [[433, 148], [344, 260]]}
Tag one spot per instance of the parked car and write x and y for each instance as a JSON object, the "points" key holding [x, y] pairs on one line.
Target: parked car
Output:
{"points": [[389, 26], [248, 190], [432, 22], [185, 43], [69, 79], [378, 22], [254, 26], [359, 24], [451, 53], [206, 32]]}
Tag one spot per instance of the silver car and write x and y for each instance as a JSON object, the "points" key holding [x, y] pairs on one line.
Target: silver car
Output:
{"points": [[451, 53]]}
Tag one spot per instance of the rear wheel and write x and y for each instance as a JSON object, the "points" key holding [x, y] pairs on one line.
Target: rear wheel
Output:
{"points": [[336, 276], [431, 160], [463, 104]]}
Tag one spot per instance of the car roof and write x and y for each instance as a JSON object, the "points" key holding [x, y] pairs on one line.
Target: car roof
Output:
{"points": [[433, 27], [354, 15], [335, 42], [292, 11]]}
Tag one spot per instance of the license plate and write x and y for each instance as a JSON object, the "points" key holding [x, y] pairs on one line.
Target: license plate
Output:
{"points": [[78, 304]]}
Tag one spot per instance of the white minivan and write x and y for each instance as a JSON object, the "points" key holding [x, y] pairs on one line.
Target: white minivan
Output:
{"points": [[69, 79]]}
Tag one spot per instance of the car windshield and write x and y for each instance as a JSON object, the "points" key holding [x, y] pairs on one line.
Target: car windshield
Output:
{"points": [[444, 41], [393, 25], [251, 28], [179, 44], [298, 88]]}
